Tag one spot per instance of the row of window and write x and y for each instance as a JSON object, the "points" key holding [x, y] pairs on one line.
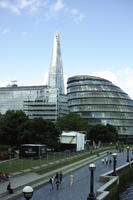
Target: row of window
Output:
{"points": [[113, 115], [110, 108], [88, 82], [94, 88], [94, 101], [107, 94]]}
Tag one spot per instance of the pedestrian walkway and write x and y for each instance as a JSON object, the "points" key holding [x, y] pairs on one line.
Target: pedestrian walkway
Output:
{"points": [[21, 179]]}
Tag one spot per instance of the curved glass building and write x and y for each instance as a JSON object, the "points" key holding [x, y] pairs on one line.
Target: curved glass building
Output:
{"points": [[100, 101]]}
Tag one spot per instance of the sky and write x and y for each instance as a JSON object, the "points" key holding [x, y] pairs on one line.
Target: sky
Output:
{"points": [[96, 39]]}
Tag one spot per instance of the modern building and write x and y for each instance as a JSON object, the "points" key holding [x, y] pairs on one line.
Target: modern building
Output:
{"points": [[56, 79], [101, 102], [46, 101], [13, 97], [49, 105]]}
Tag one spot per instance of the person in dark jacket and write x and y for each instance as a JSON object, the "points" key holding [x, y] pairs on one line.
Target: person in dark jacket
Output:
{"points": [[60, 176], [51, 181], [9, 189]]}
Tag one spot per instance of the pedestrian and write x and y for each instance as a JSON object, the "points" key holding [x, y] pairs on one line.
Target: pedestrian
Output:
{"points": [[103, 161], [51, 181], [71, 179], [57, 184], [57, 176], [1, 177], [10, 190], [110, 155], [106, 160], [60, 176]]}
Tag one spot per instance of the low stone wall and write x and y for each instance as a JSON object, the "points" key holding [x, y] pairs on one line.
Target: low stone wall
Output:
{"points": [[113, 185]]}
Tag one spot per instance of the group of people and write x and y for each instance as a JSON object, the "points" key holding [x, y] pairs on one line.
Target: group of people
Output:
{"points": [[3, 177], [57, 180], [108, 158]]}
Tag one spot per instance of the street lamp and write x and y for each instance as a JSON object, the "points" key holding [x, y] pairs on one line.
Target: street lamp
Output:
{"points": [[28, 192], [128, 153], [92, 196], [114, 166]]}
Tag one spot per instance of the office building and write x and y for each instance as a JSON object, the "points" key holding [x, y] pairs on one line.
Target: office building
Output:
{"points": [[101, 102]]}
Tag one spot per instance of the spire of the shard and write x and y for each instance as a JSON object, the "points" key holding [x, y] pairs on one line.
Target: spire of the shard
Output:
{"points": [[56, 69]]}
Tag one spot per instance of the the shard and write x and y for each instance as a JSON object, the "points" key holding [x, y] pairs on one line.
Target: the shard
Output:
{"points": [[56, 79]]}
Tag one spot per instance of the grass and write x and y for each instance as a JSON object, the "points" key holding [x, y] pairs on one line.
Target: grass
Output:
{"points": [[15, 165], [70, 161]]}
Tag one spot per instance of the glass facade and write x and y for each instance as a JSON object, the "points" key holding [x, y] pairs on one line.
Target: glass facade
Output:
{"points": [[12, 98], [100, 101], [35, 101], [56, 79], [50, 105]]}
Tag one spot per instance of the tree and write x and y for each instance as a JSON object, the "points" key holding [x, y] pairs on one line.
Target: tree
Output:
{"points": [[103, 133], [72, 122], [11, 124], [16, 129], [39, 131]]}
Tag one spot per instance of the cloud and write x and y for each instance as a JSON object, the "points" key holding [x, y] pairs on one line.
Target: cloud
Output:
{"points": [[24, 33], [122, 78], [107, 75], [6, 4], [19, 6], [4, 31], [58, 6], [77, 15], [42, 9]]}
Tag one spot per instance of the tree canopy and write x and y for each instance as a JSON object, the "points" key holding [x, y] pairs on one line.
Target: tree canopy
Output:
{"points": [[72, 122], [104, 133], [16, 128]]}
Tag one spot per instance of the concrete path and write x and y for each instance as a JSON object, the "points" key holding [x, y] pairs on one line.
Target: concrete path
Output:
{"points": [[36, 180], [19, 180], [81, 185]]}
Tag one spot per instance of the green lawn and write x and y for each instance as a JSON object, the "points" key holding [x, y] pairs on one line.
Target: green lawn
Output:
{"points": [[21, 164]]}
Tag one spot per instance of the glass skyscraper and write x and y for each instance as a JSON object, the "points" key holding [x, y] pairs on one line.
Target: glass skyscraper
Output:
{"points": [[56, 79], [100, 101]]}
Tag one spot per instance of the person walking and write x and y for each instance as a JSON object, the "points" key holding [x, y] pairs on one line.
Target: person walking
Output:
{"points": [[71, 179], [57, 184], [57, 181], [57, 176], [51, 181], [106, 160], [60, 177], [10, 190]]}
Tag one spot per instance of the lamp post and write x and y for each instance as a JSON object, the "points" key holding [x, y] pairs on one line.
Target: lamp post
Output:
{"points": [[114, 166], [28, 192], [92, 196], [128, 153]]}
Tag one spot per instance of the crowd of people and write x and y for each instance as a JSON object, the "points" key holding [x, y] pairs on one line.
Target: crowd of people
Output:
{"points": [[57, 180], [108, 158]]}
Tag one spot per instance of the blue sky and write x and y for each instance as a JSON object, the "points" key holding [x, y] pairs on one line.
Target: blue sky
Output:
{"points": [[96, 39]]}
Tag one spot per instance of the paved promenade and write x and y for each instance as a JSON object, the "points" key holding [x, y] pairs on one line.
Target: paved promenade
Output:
{"points": [[21, 179], [18, 181]]}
